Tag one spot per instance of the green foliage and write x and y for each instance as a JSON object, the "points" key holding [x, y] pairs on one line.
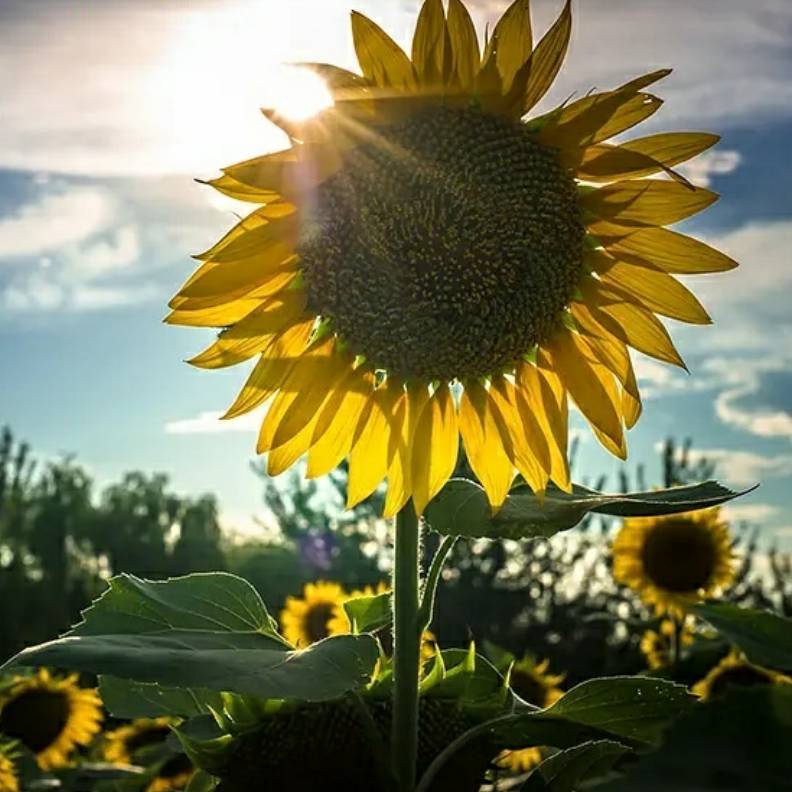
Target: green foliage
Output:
{"points": [[462, 508], [563, 771], [369, 614], [126, 698], [765, 637]]}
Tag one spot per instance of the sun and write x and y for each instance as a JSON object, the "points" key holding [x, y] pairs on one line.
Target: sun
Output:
{"points": [[297, 94]]}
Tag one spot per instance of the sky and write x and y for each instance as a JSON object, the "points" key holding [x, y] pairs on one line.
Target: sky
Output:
{"points": [[110, 110]]}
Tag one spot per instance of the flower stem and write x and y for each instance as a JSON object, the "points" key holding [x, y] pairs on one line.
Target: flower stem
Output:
{"points": [[406, 648]]}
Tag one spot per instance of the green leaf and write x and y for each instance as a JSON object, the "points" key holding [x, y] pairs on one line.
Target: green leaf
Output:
{"points": [[765, 637], [369, 614], [563, 771], [462, 509], [739, 742], [207, 632], [201, 782], [129, 699]]}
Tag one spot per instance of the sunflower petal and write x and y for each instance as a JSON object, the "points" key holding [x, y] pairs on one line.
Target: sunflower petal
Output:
{"points": [[271, 370], [214, 316], [671, 148], [381, 59], [369, 459], [435, 447], [645, 202], [429, 43], [229, 186], [548, 57], [285, 455], [585, 383], [654, 289], [669, 250], [464, 44], [514, 40], [483, 445]]}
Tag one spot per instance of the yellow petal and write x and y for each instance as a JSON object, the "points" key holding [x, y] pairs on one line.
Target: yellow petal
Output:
{"points": [[214, 316], [254, 333], [514, 40], [669, 250], [634, 325], [429, 53], [518, 429], [645, 202], [301, 394], [547, 58], [656, 290], [338, 423], [369, 459], [435, 447], [585, 383], [271, 369], [400, 485], [241, 192], [464, 44], [486, 454], [284, 456], [671, 148], [381, 59], [549, 407]]}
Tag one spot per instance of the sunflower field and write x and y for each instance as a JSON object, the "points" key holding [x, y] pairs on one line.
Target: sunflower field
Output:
{"points": [[430, 276]]}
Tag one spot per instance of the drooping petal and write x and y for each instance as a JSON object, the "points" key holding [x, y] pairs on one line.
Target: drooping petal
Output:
{"points": [[547, 58], [285, 455], [381, 59], [272, 368], [435, 447], [485, 452], [645, 202], [669, 250], [464, 44]]}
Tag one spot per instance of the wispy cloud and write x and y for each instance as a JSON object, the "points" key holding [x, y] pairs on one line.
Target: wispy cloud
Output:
{"points": [[749, 512], [711, 163], [209, 423]]}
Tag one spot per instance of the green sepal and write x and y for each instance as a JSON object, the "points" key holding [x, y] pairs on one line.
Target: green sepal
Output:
{"points": [[205, 743]]}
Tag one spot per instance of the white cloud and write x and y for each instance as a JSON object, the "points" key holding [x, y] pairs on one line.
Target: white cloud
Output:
{"points": [[742, 468], [711, 163], [209, 423], [56, 220], [749, 512], [761, 422]]}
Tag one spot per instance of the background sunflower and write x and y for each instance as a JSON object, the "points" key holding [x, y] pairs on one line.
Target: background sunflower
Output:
{"points": [[318, 614], [657, 645], [673, 561], [9, 781], [735, 671], [425, 264], [50, 716]]}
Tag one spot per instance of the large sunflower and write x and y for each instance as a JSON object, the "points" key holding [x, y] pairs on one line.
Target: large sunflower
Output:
{"points": [[318, 614], [533, 683], [8, 774], [425, 264], [672, 562], [50, 716], [735, 671]]}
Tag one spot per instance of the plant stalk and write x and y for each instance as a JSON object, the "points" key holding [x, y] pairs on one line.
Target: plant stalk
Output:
{"points": [[406, 648]]}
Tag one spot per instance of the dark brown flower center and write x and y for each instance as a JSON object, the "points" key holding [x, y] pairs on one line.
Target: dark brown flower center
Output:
{"points": [[679, 556], [36, 718], [528, 688], [739, 676], [445, 247], [316, 621]]}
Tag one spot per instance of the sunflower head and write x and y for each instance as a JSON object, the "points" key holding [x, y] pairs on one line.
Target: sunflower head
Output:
{"points": [[318, 614], [735, 671], [657, 645], [673, 561], [426, 263], [50, 716], [533, 683], [9, 781]]}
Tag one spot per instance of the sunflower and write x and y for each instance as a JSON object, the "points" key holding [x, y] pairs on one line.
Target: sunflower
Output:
{"points": [[735, 670], [425, 263], [657, 645], [532, 683], [50, 716], [8, 774], [318, 614], [673, 561]]}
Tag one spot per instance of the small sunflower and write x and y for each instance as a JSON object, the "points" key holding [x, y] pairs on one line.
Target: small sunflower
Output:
{"points": [[673, 561], [734, 670], [532, 683], [318, 614], [8, 774], [425, 264], [657, 645], [50, 716]]}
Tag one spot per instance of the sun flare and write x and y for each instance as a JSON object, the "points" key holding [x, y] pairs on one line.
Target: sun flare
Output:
{"points": [[297, 94]]}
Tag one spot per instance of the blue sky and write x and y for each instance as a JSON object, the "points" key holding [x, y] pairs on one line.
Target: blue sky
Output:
{"points": [[110, 109]]}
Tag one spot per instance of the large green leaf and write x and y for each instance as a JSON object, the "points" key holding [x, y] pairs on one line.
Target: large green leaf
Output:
{"points": [[563, 771], [462, 509], [764, 637], [207, 632], [126, 698], [369, 613], [630, 710]]}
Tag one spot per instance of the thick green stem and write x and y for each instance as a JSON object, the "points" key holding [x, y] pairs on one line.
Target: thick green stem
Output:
{"points": [[406, 648]]}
